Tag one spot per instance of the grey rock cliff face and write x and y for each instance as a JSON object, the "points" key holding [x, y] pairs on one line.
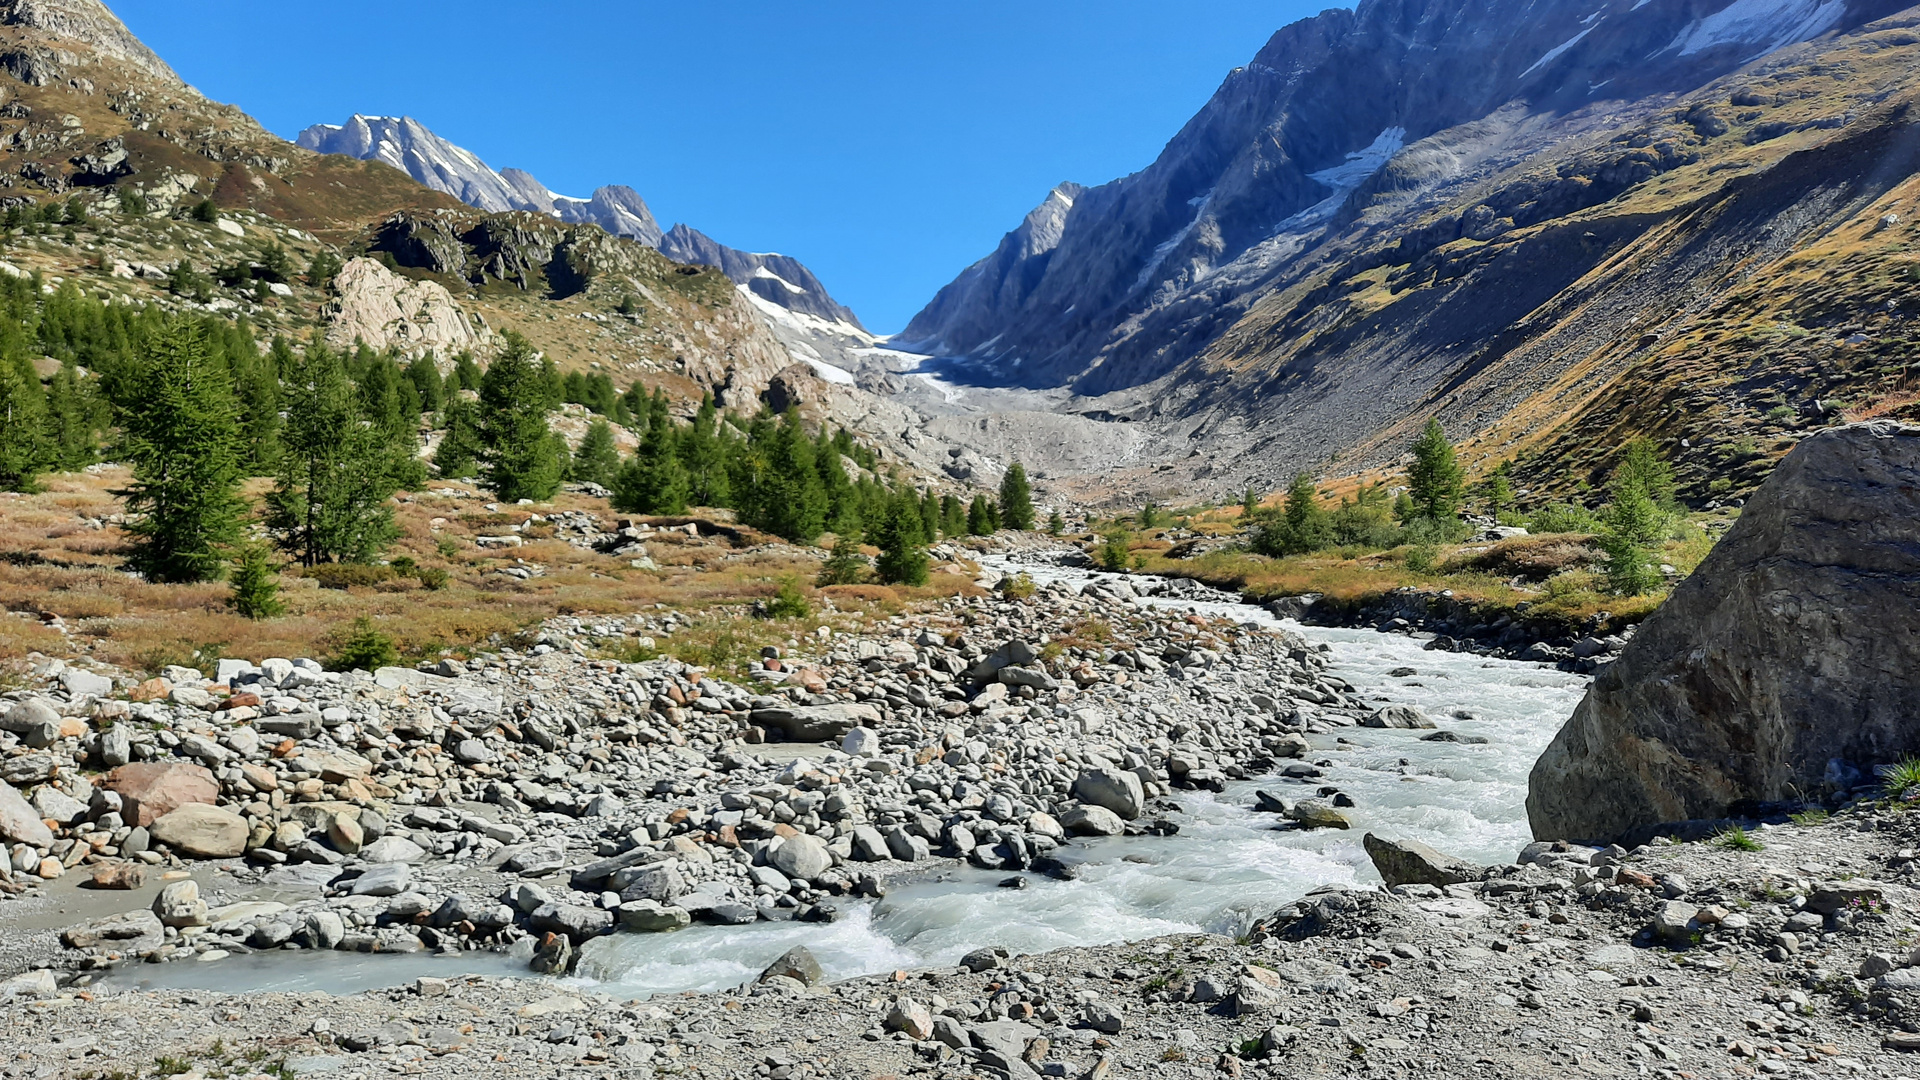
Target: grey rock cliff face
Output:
{"points": [[88, 22], [1340, 116], [1787, 666], [410, 146], [777, 279]]}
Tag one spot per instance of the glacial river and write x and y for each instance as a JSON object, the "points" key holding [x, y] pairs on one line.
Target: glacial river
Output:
{"points": [[1227, 866]]}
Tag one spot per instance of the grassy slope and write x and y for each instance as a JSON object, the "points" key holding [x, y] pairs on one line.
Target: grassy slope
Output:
{"points": [[1680, 316], [64, 552]]}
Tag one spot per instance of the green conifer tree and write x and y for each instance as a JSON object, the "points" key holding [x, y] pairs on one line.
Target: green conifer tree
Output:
{"points": [[74, 420], [1435, 479], [845, 566], [1632, 525], [1641, 463], [1635, 522], [979, 520], [337, 472], [653, 480], [182, 438], [597, 458], [520, 457], [1300, 526], [323, 269], [903, 547], [459, 449], [1016, 499], [466, 372], [953, 516], [256, 588], [1056, 524], [424, 374], [778, 488], [705, 448], [23, 425], [1500, 490], [930, 517]]}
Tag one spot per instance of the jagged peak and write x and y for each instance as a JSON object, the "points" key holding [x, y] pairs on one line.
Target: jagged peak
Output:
{"points": [[90, 23]]}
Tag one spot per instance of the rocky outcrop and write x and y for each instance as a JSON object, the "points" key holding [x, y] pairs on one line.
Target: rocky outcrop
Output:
{"points": [[408, 145], [794, 386], [88, 22], [387, 311], [1785, 668], [781, 280], [778, 284]]}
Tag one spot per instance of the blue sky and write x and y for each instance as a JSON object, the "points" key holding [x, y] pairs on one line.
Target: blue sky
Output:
{"points": [[885, 144]]}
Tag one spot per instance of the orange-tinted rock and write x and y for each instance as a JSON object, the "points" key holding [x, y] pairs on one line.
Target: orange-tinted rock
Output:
{"points": [[151, 690], [150, 790]]}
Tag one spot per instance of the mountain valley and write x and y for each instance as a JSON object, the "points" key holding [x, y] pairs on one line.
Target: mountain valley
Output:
{"points": [[1419, 580]]}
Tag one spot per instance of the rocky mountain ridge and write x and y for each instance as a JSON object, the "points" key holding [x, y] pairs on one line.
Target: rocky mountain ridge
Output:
{"points": [[408, 145], [795, 303], [1408, 209]]}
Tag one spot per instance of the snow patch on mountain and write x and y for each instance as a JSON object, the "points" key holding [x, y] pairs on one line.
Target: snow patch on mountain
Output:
{"points": [[1554, 53], [763, 272], [1764, 24], [1346, 177]]}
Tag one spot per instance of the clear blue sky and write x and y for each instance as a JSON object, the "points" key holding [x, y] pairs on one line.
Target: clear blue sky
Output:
{"points": [[886, 144]]}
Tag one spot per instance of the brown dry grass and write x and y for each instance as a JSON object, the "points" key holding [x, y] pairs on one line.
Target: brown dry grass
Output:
{"points": [[54, 561], [1535, 558]]}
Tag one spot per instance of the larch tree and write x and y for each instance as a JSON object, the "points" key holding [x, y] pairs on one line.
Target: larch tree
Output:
{"points": [[1016, 499], [520, 456], [337, 469], [182, 438]]}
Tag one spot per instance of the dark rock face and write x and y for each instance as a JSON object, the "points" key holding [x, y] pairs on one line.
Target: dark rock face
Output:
{"points": [[1370, 115], [778, 279], [1785, 668], [408, 145]]}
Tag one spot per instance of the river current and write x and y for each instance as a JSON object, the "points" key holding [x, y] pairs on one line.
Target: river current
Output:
{"points": [[1227, 866]]}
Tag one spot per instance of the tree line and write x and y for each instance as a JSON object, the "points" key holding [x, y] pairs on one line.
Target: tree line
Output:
{"points": [[195, 405], [1640, 513]]}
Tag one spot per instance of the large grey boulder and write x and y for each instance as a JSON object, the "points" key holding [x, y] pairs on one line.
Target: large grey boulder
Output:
{"points": [[35, 721], [20, 822], [817, 723], [1117, 790], [1410, 862], [803, 856], [1786, 666], [1092, 821]]}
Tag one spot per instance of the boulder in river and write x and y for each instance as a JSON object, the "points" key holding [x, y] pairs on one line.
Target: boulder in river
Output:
{"points": [[1318, 814], [797, 964], [1786, 666], [1397, 716]]}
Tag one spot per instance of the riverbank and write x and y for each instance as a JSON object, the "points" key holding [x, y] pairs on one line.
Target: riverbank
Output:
{"points": [[1052, 739], [535, 800], [1675, 960]]}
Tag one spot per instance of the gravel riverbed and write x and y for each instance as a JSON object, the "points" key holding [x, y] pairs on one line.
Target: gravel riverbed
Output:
{"points": [[1109, 796]]}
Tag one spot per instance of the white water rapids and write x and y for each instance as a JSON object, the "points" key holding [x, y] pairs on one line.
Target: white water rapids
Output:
{"points": [[1227, 866]]}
